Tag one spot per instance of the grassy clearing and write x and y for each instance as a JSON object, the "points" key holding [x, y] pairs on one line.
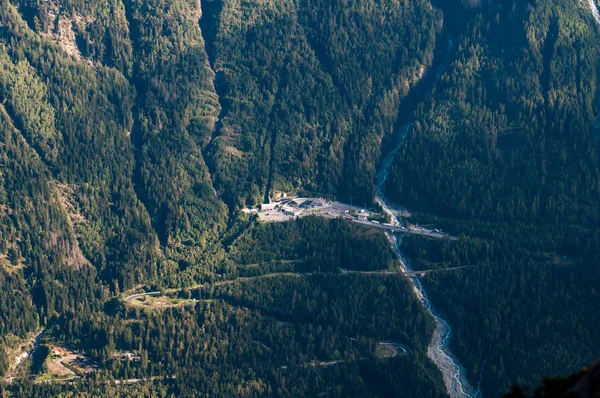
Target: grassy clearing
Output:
{"points": [[383, 352]]}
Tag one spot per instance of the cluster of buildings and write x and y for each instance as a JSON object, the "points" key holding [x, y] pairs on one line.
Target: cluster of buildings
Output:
{"points": [[292, 207]]}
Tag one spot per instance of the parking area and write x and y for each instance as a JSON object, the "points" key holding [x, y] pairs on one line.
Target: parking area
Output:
{"points": [[274, 216], [289, 209]]}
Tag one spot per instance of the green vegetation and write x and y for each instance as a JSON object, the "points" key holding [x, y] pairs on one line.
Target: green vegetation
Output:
{"points": [[381, 218], [176, 107], [132, 132], [508, 132], [322, 338], [299, 109], [322, 246], [379, 307], [505, 149]]}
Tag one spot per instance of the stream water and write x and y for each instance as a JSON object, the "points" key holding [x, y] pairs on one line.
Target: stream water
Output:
{"points": [[439, 350]]}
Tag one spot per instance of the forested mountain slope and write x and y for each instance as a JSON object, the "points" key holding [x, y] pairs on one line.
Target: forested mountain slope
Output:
{"points": [[108, 112], [508, 132], [121, 116], [133, 131], [310, 89], [506, 150]]}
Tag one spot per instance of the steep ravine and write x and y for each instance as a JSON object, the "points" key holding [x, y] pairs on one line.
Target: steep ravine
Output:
{"points": [[209, 24], [135, 134], [438, 351]]}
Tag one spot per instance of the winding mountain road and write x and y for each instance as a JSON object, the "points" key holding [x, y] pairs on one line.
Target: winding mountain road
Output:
{"points": [[129, 299], [406, 272]]}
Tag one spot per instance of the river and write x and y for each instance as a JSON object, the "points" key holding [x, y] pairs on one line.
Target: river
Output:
{"points": [[439, 348]]}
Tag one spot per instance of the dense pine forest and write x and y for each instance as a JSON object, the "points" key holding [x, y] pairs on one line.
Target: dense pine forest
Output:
{"points": [[132, 133], [505, 151]]}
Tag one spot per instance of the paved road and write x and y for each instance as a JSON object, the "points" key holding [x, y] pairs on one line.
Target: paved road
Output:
{"points": [[396, 349], [135, 381], [123, 381], [131, 298], [406, 273], [409, 231]]}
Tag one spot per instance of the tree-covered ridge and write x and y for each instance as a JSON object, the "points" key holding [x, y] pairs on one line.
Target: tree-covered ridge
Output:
{"points": [[113, 127], [316, 245], [128, 125], [508, 132], [95, 32], [363, 306], [522, 310], [301, 108], [93, 166], [175, 113], [228, 343], [26, 98], [42, 269], [506, 147]]}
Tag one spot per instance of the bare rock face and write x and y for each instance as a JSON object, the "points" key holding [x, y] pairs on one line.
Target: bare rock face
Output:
{"points": [[56, 25]]}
